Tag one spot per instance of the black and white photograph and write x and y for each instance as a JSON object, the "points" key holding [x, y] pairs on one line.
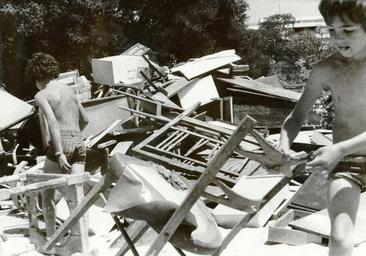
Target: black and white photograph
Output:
{"points": [[182, 127]]}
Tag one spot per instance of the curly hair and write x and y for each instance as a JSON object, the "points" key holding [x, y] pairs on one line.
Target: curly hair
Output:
{"points": [[42, 66], [354, 10]]}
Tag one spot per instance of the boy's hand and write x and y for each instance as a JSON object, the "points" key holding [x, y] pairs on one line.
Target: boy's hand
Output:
{"points": [[286, 151], [325, 159], [64, 165]]}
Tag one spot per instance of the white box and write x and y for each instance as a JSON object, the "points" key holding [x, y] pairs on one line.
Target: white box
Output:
{"points": [[120, 68]]}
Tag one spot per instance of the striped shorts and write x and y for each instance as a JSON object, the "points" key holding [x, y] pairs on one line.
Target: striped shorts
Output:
{"points": [[352, 168], [72, 145]]}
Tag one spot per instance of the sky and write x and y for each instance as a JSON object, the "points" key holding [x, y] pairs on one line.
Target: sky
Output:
{"points": [[259, 9]]}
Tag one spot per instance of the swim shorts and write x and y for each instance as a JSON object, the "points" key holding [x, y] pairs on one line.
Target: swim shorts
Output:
{"points": [[352, 168], [73, 147]]}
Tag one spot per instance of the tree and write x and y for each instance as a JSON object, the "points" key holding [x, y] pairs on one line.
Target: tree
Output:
{"points": [[275, 48], [74, 31]]}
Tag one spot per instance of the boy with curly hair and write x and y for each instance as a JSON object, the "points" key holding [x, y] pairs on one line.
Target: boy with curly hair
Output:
{"points": [[64, 118], [344, 74]]}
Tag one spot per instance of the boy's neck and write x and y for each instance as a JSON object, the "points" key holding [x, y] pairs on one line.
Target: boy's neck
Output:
{"points": [[43, 83]]}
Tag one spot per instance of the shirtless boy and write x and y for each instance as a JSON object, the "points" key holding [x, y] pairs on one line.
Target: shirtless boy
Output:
{"points": [[344, 73], [64, 117]]}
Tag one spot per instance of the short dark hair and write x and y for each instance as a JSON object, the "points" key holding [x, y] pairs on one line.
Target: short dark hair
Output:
{"points": [[354, 10], [42, 66]]}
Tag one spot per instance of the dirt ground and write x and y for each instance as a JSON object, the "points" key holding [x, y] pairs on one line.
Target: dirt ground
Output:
{"points": [[249, 242]]}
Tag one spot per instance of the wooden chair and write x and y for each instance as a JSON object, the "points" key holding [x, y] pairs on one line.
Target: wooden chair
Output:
{"points": [[269, 155]]}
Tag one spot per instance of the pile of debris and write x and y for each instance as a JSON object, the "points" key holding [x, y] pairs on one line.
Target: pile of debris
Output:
{"points": [[169, 146]]}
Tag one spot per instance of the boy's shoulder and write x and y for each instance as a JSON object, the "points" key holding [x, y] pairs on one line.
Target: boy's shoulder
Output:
{"points": [[327, 67], [330, 63]]}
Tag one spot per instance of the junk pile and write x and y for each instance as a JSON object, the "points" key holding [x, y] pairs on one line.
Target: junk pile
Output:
{"points": [[174, 150]]}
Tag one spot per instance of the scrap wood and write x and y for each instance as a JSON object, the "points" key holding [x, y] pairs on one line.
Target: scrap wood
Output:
{"points": [[175, 86], [90, 198], [320, 139], [206, 64], [95, 139], [252, 85], [13, 115], [202, 90], [280, 232], [312, 194], [121, 147], [103, 112]]}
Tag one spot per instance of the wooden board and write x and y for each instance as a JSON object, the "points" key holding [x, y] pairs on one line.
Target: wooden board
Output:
{"points": [[16, 109], [318, 223], [256, 86], [103, 112], [207, 63], [177, 85], [203, 91], [312, 194]]}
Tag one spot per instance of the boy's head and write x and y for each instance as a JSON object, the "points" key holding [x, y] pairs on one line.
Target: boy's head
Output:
{"points": [[352, 10], [42, 67]]}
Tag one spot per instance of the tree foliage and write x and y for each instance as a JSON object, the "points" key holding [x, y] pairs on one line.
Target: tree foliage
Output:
{"points": [[74, 31]]}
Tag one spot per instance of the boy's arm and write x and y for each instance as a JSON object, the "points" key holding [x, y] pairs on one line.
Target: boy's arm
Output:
{"points": [[327, 158], [84, 119], [44, 129], [297, 117], [54, 131]]}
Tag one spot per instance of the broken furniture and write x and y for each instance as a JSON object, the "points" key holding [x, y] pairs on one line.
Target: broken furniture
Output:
{"points": [[34, 184], [269, 156]]}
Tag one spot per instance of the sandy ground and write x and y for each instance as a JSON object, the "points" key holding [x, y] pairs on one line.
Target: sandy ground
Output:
{"points": [[249, 242]]}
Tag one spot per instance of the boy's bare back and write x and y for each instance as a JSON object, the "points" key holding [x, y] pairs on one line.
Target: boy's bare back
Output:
{"points": [[64, 104]]}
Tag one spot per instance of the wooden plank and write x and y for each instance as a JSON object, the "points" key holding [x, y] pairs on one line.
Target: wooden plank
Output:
{"points": [[121, 147], [206, 63], [280, 232], [261, 88], [291, 237], [200, 186], [92, 141], [173, 88], [312, 194]]}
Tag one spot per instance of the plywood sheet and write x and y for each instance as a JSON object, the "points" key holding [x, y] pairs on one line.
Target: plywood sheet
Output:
{"points": [[313, 193], [103, 112], [256, 86], [206, 63], [13, 109], [203, 90]]}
